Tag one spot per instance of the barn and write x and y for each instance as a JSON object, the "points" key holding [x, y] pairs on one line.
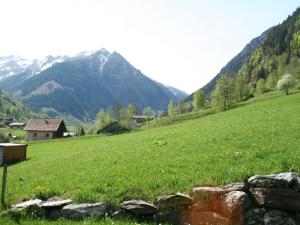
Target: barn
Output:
{"points": [[43, 129]]}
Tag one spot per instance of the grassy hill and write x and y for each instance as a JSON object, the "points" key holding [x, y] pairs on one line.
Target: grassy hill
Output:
{"points": [[259, 138]]}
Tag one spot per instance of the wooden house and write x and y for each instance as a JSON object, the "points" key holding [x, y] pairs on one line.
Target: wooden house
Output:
{"points": [[43, 129]]}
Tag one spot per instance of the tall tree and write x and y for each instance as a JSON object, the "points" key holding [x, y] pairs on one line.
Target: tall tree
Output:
{"points": [[241, 87], [261, 86], [223, 96], [271, 81], [171, 108], [132, 110], [102, 119], [199, 100]]}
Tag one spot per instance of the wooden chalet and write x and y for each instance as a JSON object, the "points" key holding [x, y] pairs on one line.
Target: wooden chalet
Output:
{"points": [[42, 129]]}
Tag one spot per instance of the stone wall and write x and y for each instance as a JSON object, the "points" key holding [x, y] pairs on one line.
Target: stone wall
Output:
{"points": [[261, 200]]}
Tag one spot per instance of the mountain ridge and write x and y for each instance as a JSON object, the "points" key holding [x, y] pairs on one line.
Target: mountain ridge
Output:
{"points": [[236, 63], [83, 84]]}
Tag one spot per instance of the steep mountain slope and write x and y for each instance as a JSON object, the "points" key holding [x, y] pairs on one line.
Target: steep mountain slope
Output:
{"points": [[83, 84], [274, 53], [178, 93], [278, 55], [236, 63]]}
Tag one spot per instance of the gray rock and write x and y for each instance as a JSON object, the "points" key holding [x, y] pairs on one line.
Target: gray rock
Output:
{"points": [[173, 217], [55, 203], [277, 217], [121, 214], [277, 198], [178, 200], [139, 208], [31, 207], [235, 204], [26, 204], [239, 186], [80, 211], [207, 193], [254, 217], [281, 180]]}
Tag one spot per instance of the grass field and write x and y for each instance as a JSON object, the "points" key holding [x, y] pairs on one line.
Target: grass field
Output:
{"points": [[260, 138]]}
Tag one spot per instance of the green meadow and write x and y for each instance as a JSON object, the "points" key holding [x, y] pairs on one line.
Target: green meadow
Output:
{"points": [[260, 138]]}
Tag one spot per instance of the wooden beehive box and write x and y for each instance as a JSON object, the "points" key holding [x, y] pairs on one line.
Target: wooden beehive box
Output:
{"points": [[12, 153]]}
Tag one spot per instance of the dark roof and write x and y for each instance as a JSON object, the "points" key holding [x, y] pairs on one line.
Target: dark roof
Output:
{"points": [[43, 125]]}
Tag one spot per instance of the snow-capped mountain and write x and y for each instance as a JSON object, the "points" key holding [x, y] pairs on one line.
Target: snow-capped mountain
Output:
{"points": [[14, 65], [82, 84]]}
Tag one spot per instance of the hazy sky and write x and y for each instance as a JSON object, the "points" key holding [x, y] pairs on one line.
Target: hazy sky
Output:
{"points": [[183, 43]]}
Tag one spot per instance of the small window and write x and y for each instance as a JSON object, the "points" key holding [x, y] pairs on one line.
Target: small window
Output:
{"points": [[47, 135], [35, 134]]}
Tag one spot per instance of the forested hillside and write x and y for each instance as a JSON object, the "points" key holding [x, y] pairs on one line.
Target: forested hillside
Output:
{"points": [[9, 108], [267, 58], [279, 54]]}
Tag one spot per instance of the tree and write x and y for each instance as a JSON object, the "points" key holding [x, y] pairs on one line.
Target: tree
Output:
{"points": [[181, 108], [241, 87], [102, 119], [199, 100], [123, 113], [132, 110], [286, 82], [224, 94], [148, 112], [271, 81], [261, 86], [171, 108], [81, 132]]}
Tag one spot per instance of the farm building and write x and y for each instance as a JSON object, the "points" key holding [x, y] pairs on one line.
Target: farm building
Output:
{"points": [[42, 129], [140, 118], [17, 125]]}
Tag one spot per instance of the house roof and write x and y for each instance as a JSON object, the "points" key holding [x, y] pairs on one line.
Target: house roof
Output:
{"points": [[43, 125], [139, 117]]}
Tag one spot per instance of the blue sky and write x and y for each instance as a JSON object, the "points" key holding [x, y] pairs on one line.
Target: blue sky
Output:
{"points": [[183, 43]]}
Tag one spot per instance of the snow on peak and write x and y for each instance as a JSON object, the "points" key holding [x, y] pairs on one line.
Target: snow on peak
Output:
{"points": [[13, 65]]}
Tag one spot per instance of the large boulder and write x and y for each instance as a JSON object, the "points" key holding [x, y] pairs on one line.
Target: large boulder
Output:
{"points": [[177, 200], [208, 199], [139, 208], [207, 193], [204, 218], [235, 204], [238, 186], [277, 217], [81, 211], [254, 217], [281, 180], [32, 207], [277, 198]]}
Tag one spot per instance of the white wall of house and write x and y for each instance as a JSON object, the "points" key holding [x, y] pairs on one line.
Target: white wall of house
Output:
{"points": [[39, 135]]}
